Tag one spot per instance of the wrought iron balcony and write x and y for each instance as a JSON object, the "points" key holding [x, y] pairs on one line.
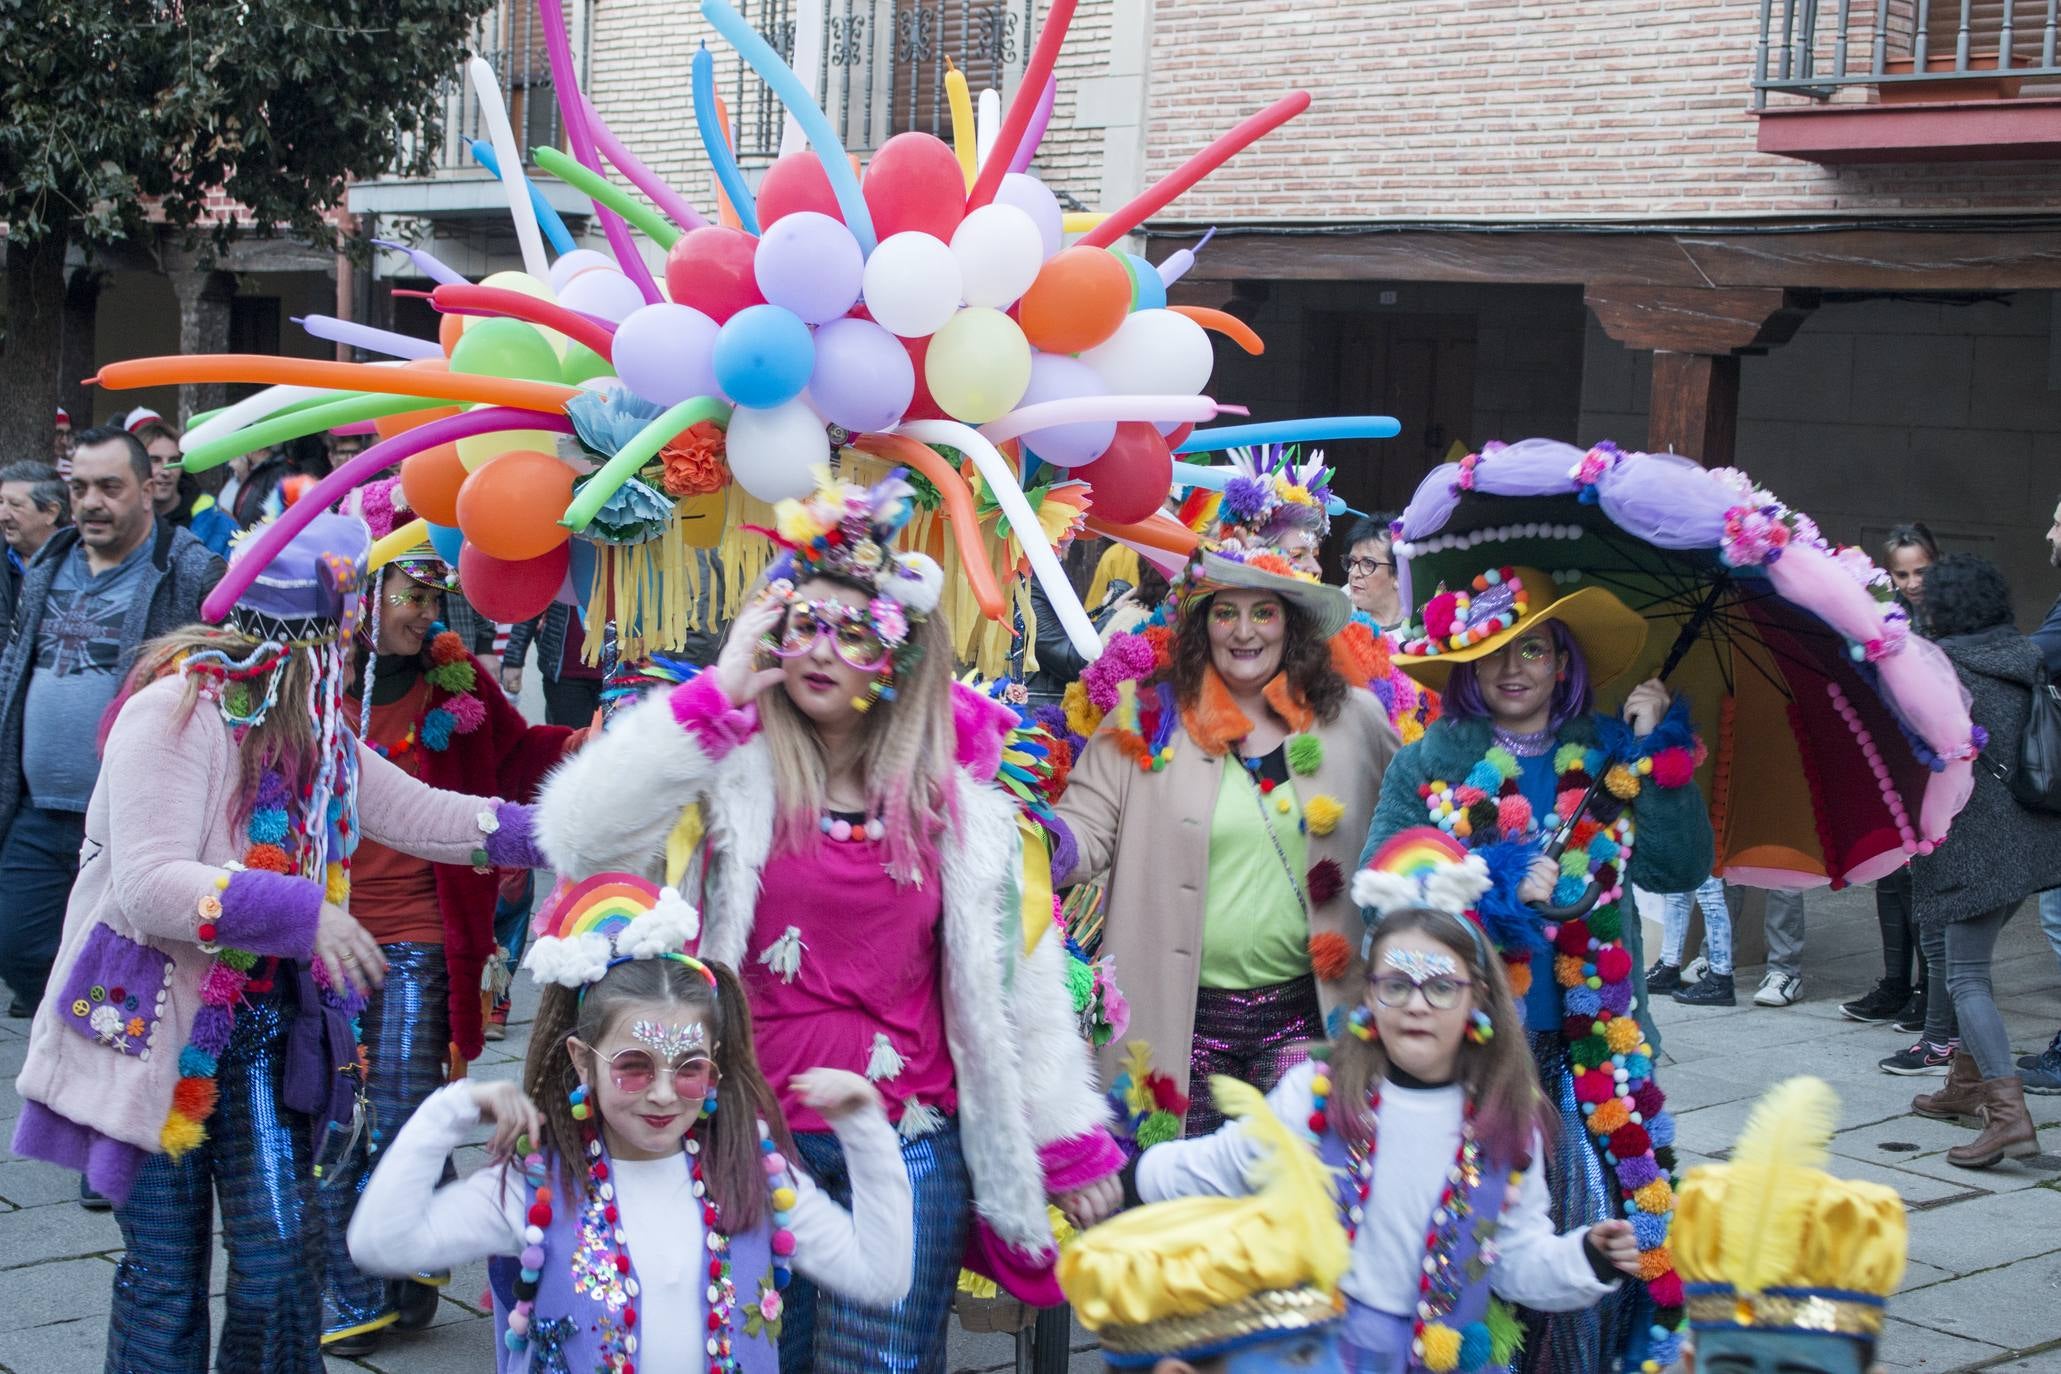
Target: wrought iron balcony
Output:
{"points": [[879, 65], [1908, 50]]}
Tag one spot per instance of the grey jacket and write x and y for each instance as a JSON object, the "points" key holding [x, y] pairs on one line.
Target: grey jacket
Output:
{"points": [[1997, 853], [186, 572]]}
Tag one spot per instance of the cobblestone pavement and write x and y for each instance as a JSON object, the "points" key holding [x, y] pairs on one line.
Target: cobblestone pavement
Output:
{"points": [[1983, 1292]]}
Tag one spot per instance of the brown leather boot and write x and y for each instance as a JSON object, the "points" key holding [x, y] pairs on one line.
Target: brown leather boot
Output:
{"points": [[1959, 1098], [2007, 1132]]}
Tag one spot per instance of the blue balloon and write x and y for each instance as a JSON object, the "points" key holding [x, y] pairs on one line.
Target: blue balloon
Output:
{"points": [[582, 573], [1311, 430], [1148, 292], [764, 356], [446, 540]]}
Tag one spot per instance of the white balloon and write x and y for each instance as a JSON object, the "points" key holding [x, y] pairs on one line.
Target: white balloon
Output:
{"points": [[1154, 352], [912, 284], [665, 353], [773, 452], [576, 263], [1000, 251], [608, 294], [1035, 199]]}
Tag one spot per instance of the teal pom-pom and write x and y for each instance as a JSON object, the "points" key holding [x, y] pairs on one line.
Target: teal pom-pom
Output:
{"points": [[1476, 1348], [1603, 850], [1305, 755], [436, 729], [196, 1063], [268, 825], [1484, 777]]}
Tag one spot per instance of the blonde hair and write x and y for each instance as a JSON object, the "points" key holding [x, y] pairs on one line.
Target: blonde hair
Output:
{"points": [[287, 740], [907, 750]]}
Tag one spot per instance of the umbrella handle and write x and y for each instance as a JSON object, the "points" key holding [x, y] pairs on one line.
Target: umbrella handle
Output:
{"points": [[1561, 915]]}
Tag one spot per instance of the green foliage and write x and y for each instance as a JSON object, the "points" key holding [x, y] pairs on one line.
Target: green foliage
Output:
{"points": [[277, 103]]}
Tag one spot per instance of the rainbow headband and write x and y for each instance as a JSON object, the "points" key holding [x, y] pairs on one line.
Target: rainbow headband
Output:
{"points": [[611, 919], [1422, 867]]}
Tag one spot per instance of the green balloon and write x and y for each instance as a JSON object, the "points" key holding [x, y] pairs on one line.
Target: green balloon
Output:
{"points": [[582, 364], [505, 348]]}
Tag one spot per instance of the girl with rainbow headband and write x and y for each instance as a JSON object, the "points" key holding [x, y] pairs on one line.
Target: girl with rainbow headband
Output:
{"points": [[645, 1210], [1427, 1114]]}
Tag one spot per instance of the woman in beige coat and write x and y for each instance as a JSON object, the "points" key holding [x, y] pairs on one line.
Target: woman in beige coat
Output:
{"points": [[1222, 799]]}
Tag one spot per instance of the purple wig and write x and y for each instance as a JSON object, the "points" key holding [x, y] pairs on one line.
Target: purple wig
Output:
{"points": [[1571, 695]]}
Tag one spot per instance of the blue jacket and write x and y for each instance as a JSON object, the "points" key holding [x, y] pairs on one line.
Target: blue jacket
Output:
{"points": [[212, 526], [186, 573]]}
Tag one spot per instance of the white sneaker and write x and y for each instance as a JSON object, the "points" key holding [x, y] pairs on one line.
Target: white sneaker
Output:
{"points": [[1778, 989]]}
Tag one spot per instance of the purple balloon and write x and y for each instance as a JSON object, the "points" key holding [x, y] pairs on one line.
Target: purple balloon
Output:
{"points": [[1035, 199], [810, 264], [1055, 377], [863, 380], [665, 353]]}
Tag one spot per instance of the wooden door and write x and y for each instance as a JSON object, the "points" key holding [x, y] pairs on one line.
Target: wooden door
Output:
{"points": [[1418, 368]]}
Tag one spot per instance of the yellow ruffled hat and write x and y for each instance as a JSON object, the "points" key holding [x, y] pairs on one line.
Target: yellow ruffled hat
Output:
{"points": [[1501, 604], [1200, 1276], [1770, 1241]]}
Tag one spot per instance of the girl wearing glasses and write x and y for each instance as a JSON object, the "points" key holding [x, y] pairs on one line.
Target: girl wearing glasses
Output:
{"points": [[1221, 809], [827, 794], [643, 1205], [1427, 1108], [1516, 657], [212, 969], [436, 714]]}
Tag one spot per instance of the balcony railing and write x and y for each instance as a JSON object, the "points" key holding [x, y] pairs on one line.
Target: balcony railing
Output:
{"points": [[510, 36], [1905, 48], [880, 65]]}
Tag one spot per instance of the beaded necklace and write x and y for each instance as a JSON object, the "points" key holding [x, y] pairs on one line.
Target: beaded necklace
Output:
{"points": [[619, 1342]]}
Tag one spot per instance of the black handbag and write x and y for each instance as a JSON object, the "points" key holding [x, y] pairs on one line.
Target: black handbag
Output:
{"points": [[2035, 782]]}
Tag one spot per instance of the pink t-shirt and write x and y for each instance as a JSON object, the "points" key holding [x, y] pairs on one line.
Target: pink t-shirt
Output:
{"points": [[843, 972]]}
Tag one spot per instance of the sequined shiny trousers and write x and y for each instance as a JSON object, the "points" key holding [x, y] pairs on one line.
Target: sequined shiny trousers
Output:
{"points": [[1253, 1034], [826, 1334], [255, 1166], [406, 1030], [1614, 1333]]}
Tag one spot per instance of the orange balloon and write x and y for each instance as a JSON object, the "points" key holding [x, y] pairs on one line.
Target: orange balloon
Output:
{"points": [[430, 480], [509, 508], [449, 329], [387, 426], [1080, 297]]}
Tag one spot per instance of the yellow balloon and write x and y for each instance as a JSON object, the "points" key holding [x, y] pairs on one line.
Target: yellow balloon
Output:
{"points": [[529, 286], [477, 451], [978, 365]]}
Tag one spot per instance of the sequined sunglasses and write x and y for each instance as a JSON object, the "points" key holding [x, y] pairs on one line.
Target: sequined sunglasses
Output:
{"points": [[850, 628]]}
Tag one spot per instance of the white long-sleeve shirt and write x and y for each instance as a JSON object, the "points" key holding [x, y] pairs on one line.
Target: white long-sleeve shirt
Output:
{"points": [[406, 1224], [1419, 1135]]}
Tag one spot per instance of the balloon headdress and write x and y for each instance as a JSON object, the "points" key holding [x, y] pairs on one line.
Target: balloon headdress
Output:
{"points": [[1207, 1276]]}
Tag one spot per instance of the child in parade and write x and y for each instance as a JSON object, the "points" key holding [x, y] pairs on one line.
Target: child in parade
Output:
{"points": [[204, 1050], [649, 1207], [829, 794], [1429, 1108]]}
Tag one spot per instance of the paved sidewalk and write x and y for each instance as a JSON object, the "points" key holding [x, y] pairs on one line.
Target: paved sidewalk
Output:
{"points": [[1983, 1292]]}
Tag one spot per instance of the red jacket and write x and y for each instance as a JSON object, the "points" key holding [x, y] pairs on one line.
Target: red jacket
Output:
{"points": [[505, 757]]}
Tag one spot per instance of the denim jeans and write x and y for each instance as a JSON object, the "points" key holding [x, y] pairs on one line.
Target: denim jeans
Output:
{"points": [[2050, 918], [1717, 925], [39, 860], [1960, 955]]}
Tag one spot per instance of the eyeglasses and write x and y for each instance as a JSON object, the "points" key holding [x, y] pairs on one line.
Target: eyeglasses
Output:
{"points": [[850, 628], [633, 1071], [1365, 567], [1441, 991], [1530, 650]]}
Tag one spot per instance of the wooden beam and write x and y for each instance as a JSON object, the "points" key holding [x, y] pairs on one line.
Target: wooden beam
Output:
{"points": [[1695, 407], [1689, 319], [1941, 257]]}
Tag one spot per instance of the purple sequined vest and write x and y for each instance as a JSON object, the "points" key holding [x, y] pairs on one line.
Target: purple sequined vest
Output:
{"points": [[1376, 1340], [577, 1325]]}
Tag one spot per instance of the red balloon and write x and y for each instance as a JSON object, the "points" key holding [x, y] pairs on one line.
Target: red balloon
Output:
{"points": [[922, 406], [512, 592], [710, 268], [1130, 481], [796, 182], [914, 182], [1179, 435]]}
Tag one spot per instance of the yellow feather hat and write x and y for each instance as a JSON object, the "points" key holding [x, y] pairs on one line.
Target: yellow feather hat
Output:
{"points": [[1770, 1240], [1198, 1276]]}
